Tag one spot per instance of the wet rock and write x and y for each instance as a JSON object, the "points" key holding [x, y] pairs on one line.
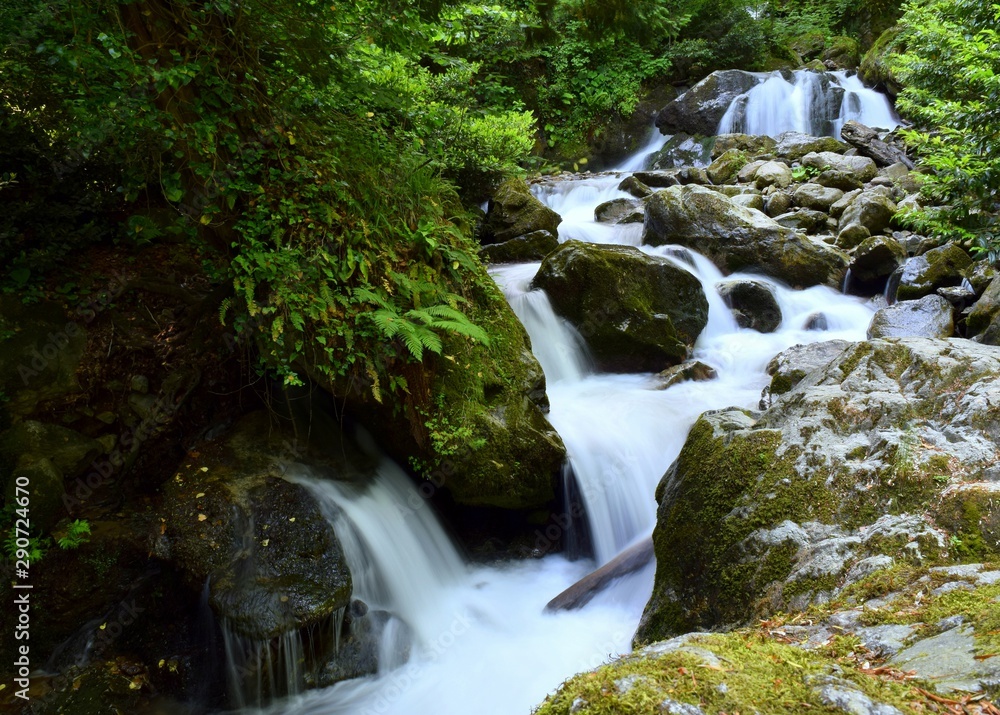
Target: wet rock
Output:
{"points": [[700, 109], [876, 259], [693, 175], [817, 197], [816, 321], [693, 370], [657, 179], [866, 141], [938, 268], [980, 275], [860, 167], [637, 313], [532, 247], [838, 208], [513, 212], [773, 173], [871, 210], [929, 317], [615, 210], [272, 561], [843, 467], [795, 145], [736, 238], [682, 150], [632, 185]]}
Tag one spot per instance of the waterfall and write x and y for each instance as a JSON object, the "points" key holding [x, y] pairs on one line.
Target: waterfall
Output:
{"points": [[810, 102], [463, 636]]}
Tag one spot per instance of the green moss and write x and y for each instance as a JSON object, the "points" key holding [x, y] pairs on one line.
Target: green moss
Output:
{"points": [[701, 528], [782, 383], [972, 516], [750, 672]]}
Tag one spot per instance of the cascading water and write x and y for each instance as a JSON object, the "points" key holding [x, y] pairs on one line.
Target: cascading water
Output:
{"points": [[464, 637], [814, 103]]}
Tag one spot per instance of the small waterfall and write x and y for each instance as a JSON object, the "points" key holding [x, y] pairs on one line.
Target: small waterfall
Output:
{"points": [[637, 162], [813, 103]]}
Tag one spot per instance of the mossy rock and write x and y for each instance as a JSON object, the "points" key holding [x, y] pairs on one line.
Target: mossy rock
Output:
{"points": [[682, 150], [984, 318], [726, 166], [531, 247], [941, 267], [844, 466], [637, 313], [736, 238], [971, 512], [271, 560], [843, 52], [876, 65], [700, 109], [513, 211]]}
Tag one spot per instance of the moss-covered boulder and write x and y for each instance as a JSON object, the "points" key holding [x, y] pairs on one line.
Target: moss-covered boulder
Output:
{"points": [[726, 166], [860, 167], [750, 145], [773, 173], [271, 560], [700, 109], [513, 211], [876, 68], [637, 313], [736, 238], [940, 267], [771, 512], [842, 52], [838, 180], [619, 211], [531, 247], [871, 210]]}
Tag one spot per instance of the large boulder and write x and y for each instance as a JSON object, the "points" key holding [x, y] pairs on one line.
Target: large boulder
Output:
{"points": [[736, 238], [229, 519], [767, 512], [726, 166], [637, 313], [619, 211], [930, 317], [752, 145], [940, 267], [513, 211], [531, 247], [861, 167], [773, 173], [876, 66], [700, 109], [866, 141], [871, 210]]}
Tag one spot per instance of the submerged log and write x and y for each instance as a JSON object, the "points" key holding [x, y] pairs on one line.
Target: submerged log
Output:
{"points": [[580, 593]]}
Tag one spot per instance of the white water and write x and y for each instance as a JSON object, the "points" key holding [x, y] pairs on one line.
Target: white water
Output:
{"points": [[814, 103], [476, 639]]}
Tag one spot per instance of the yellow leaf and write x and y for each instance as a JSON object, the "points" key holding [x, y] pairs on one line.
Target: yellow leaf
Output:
{"points": [[265, 542], [202, 517], [103, 626], [205, 219], [292, 519], [199, 495], [204, 469]]}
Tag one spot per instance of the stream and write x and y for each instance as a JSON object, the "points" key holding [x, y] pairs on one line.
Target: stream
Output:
{"points": [[465, 637]]}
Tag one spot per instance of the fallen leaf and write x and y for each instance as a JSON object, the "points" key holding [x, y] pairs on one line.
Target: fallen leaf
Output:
{"points": [[202, 517]]}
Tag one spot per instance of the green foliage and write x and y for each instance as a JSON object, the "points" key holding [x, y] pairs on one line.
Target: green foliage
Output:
{"points": [[951, 74], [77, 533]]}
